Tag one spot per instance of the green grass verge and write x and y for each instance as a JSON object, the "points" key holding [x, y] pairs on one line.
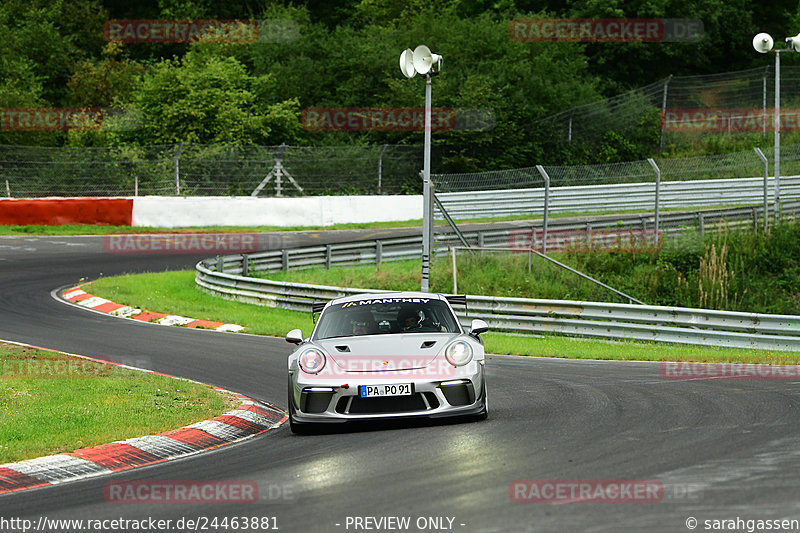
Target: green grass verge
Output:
{"points": [[53, 403], [175, 293]]}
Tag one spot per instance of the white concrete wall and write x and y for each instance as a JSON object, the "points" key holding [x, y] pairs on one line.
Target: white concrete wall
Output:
{"points": [[178, 212]]}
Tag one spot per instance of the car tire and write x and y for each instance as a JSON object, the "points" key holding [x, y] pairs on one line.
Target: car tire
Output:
{"points": [[484, 414]]}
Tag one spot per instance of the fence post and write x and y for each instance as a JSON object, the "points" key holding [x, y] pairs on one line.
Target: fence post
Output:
{"points": [[8, 189], [658, 188], [569, 133], [135, 184], [764, 104], [664, 112], [766, 181], [455, 275], [546, 177], [380, 167], [177, 169]]}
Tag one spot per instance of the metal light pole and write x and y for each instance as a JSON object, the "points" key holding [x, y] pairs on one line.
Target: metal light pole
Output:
{"points": [[427, 196], [778, 133], [763, 43], [422, 61]]}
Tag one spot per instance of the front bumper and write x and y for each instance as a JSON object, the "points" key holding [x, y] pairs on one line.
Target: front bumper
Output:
{"points": [[327, 402]]}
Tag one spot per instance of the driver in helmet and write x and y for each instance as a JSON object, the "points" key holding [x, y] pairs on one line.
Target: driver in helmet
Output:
{"points": [[409, 319]]}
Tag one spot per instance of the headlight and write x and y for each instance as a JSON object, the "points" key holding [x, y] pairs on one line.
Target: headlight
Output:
{"points": [[459, 353], [311, 361]]}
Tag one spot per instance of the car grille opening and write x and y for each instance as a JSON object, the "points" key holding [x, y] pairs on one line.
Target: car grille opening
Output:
{"points": [[421, 401], [459, 394], [315, 402]]}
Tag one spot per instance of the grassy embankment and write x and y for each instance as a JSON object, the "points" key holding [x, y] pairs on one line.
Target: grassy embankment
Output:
{"points": [[53, 403]]}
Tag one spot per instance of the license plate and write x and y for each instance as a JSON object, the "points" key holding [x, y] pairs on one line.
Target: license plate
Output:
{"points": [[396, 389]]}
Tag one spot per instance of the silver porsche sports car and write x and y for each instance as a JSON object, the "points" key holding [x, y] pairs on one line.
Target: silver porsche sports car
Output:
{"points": [[384, 355]]}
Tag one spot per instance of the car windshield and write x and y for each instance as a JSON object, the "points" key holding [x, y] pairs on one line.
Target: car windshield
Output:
{"points": [[385, 316]]}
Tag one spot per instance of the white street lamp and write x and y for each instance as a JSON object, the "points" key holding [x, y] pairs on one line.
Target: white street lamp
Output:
{"points": [[428, 64], [763, 43]]}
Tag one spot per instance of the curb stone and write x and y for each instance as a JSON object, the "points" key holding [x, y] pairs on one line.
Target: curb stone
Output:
{"points": [[82, 298], [251, 418]]}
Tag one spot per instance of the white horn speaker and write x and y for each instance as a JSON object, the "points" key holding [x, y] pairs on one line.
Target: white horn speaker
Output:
{"points": [[407, 63], [424, 60], [763, 43]]}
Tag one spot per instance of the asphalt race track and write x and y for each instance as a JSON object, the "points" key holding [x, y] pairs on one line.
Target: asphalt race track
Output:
{"points": [[722, 449]]}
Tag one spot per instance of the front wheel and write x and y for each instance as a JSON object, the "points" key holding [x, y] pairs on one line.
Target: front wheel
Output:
{"points": [[484, 414]]}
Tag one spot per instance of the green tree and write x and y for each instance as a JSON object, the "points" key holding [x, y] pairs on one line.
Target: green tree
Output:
{"points": [[208, 98]]}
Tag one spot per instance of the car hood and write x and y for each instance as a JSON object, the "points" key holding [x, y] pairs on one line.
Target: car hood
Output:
{"points": [[386, 352]]}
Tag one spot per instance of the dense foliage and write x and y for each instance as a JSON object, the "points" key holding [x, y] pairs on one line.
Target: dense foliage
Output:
{"points": [[345, 54]]}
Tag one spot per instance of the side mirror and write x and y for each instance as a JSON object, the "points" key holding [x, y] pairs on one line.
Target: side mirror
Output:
{"points": [[295, 336], [478, 327]]}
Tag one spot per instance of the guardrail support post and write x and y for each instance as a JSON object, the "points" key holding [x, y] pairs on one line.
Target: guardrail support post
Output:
{"points": [[701, 223], [658, 179], [546, 209], [766, 180], [481, 239], [177, 169], [378, 253], [285, 260], [328, 256], [220, 263], [245, 265]]}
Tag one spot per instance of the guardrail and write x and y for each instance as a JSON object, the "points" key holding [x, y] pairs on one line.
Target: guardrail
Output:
{"points": [[378, 251], [616, 197], [533, 316], [222, 276]]}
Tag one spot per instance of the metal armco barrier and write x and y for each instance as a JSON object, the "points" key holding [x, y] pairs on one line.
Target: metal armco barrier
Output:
{"points": [[615, 197], [378, 251], [222, 277]]}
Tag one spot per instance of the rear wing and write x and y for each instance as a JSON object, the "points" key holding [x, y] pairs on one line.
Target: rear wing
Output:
{"points": [[456, 299], [317, 307]]}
